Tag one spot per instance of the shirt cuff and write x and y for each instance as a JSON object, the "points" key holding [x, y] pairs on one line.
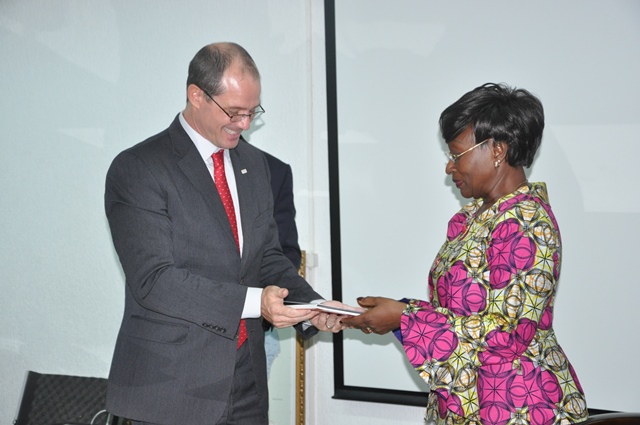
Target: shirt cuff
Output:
{"points": [[398, 332], [252, 304]]}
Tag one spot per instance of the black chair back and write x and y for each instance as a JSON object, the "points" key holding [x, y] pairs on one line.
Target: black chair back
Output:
{"points": [[63, 399]]}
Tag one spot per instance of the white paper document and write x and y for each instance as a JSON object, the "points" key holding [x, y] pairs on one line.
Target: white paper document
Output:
{"points": [[323, 307]]}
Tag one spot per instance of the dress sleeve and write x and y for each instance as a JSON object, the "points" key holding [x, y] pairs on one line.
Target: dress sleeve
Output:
{"points": [[492, 295]]}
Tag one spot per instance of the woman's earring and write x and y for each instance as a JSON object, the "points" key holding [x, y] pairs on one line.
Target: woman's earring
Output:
{"points": [[497, 163]]}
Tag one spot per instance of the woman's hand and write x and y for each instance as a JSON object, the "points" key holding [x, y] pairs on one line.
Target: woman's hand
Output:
{"points": [[382, 315]]}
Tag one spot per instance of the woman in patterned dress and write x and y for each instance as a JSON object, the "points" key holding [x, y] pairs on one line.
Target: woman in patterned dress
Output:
{"points": [[484, 343]]}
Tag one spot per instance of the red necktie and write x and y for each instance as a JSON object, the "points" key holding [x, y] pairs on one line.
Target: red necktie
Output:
{"points": [[227, 201]]}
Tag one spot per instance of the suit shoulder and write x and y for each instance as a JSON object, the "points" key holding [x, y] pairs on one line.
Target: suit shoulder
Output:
{"points": [[246, 148], [274, 162], [250, 153], [161, 146]]}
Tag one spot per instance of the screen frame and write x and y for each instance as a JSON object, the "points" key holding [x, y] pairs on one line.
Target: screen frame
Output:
{"points": [[343, 391]]}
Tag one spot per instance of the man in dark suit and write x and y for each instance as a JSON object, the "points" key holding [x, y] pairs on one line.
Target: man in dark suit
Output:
{"points": [[191, 217]]}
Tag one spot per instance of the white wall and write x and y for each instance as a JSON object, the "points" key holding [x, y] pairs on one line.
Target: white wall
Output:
{"points": [[81, 81]]}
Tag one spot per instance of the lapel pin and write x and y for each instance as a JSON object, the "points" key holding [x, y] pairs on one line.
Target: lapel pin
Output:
{"points": [[243, 171]]}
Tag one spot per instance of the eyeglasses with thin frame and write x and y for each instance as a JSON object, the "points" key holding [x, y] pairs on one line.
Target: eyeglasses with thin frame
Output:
{"points": [[237, 117], [455, 156]]}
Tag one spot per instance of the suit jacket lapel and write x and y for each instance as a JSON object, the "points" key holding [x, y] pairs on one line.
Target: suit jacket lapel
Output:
{"points": [[242, 172], [194, 168]]}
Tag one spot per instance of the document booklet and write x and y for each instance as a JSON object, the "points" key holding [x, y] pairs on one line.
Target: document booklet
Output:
{"points": [[323, 307]]}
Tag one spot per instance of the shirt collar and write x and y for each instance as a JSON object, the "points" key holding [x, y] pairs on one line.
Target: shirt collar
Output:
{"points": [[205, 147]]}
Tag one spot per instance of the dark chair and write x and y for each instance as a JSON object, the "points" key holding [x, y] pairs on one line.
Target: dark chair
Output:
{"points": [[63, 399], [614, 419]]}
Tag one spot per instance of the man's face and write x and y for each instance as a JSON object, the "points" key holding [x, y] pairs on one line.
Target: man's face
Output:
{"points": [[241, 96]]}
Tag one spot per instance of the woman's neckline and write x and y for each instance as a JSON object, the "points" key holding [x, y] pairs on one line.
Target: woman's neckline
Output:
{"points": [[485, 206]]}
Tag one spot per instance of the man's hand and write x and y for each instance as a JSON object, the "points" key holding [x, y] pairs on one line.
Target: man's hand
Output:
{"points": [[273, 309], [330, 322], [382, 315]]}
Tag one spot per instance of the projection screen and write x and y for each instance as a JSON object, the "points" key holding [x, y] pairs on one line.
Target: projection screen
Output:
{"points": [[396, 66]]}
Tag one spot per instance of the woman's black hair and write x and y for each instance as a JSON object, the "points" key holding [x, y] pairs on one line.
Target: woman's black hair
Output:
{"points": [[505, 114]]}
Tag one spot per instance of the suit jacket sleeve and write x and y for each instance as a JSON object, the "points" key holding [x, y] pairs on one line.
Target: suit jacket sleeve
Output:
{"points": [[273, 259]]}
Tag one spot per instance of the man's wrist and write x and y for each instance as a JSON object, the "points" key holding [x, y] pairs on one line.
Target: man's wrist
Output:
{"points": [[252, 304]]}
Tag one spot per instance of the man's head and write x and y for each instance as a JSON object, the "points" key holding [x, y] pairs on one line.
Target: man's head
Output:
{"points": [[223, 81]]}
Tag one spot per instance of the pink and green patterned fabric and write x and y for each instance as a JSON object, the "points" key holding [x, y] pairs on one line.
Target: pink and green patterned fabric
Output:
{"points": [[485, 344]]}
